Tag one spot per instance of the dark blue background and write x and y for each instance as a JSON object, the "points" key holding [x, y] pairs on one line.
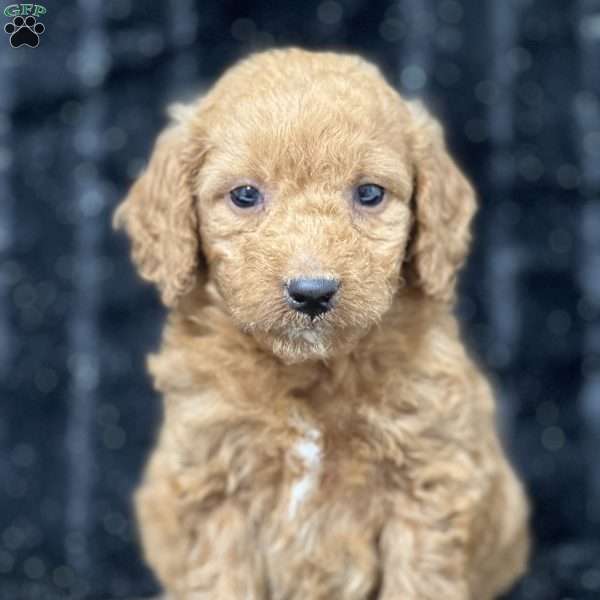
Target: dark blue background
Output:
{"points": [[516, 82]]}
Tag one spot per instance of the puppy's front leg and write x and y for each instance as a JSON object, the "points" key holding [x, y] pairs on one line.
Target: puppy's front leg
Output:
{"points": [[198, 539], [420, 562], [223, 562], [199, 552]]}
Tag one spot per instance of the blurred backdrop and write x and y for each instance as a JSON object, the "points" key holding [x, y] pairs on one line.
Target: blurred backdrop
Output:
{"points": [[516, 83]]}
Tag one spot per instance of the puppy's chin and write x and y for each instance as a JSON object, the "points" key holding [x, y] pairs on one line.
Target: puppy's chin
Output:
{"points": [[298, 345]]}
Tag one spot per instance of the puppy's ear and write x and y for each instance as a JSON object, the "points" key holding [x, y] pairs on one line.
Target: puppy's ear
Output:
{"points": [[160, 217], [444, 208]]}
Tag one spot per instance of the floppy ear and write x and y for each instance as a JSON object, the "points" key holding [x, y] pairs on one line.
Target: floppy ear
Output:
{"points": [[444, 208], [160, 217]]}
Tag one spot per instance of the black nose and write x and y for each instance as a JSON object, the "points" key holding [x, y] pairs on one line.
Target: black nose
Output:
{"points": [[312, 296]]}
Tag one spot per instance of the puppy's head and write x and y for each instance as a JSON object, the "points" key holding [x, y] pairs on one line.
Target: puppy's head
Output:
{"points": [[307, 193]]}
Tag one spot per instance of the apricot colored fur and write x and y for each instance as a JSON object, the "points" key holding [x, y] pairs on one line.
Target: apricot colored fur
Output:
{"points": [[354, 457]]}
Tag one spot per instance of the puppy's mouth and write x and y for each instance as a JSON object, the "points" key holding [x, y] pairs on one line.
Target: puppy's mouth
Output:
{"points": [[295, 337], [295, 344], [312, 333]]}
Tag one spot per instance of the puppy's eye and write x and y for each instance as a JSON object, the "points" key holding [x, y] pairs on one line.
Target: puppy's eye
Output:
{"points": [[369, 194], [245, 196]]}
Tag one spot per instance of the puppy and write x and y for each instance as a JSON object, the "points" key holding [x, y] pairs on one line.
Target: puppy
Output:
{"points": [[325, 434]]}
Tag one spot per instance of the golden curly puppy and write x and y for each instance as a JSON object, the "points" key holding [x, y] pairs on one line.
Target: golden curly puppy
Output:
{"points": [[325, 434]]}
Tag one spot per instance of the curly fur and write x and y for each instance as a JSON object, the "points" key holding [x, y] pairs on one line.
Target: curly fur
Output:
{"points": [[354, 456]]}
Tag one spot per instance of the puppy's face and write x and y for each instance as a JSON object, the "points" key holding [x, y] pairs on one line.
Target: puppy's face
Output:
{"points": [[307, 184], [305, 213]]}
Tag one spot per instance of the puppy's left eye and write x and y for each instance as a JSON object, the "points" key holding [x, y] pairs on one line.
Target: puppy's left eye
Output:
{"points": [[245, 196], [369, 195]]}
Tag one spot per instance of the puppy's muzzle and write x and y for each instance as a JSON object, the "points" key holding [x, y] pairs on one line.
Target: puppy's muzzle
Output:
{"points": [[311, 296]]}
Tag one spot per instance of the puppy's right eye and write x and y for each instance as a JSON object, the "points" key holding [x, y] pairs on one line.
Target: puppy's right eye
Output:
{"points": [[246, 196]]}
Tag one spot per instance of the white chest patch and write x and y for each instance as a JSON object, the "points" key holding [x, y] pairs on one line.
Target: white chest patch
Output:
{"points": [[308, 450]]}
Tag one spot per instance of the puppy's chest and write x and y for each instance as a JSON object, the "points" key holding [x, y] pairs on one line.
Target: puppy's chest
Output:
{"points": [[324, 466]]}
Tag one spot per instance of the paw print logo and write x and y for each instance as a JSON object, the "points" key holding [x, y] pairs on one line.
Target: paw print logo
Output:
{"points": [[24, 32]]}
